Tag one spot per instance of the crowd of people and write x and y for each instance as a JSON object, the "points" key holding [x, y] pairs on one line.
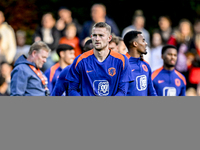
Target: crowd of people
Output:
{"points": [[95, 58]]}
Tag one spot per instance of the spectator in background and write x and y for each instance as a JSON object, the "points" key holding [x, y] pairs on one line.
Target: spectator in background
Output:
{"points": [[66, 57], [98, 14], [113, 44], [122, 48], [3, 86], [8, 40], [22, 48], [2, 56], [5, 71], [165, 28], [156, 60], [194, 54], [50, 35], [182, 38], [70, 38], [65, 18], [138, 24]]}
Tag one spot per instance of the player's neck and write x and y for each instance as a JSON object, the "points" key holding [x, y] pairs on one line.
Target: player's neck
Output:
{"points": [[134, 53], [101, 55], [168, 68], [62, 64]]}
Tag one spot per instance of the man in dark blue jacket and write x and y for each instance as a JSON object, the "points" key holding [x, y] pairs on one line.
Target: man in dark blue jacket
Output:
{"points": [[26, 77], [98, 14]]}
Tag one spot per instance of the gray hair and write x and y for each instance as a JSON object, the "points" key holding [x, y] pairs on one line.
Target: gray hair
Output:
{"points": [[37, 46]]}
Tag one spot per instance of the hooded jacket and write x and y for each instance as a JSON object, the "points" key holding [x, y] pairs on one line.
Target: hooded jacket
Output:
{"points": [[24, 81]]}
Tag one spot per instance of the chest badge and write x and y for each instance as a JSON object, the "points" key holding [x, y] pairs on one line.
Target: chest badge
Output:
{"points": [[177, 82], [145, 68], [112, 71]]}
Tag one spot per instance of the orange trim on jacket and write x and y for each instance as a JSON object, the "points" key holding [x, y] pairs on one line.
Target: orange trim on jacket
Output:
{"points": [[119, 56], [181, 76], [155, 73], [84, 55], [53, 70], [128, 56]]}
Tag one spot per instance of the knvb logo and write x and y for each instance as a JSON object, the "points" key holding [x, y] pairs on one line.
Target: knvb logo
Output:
{"points": [[112, 71]]}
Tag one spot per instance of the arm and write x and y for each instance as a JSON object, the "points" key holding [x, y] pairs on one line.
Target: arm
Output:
{"points": [[59, 88], [125, 78], [12, 46], [73, 79], [151, 89], [18, 82], [73, 89], [183, 91], [61, 85], [122, 89]]}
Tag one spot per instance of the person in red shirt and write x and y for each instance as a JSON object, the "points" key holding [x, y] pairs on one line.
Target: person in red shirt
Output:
{"points": [[70, 38]]}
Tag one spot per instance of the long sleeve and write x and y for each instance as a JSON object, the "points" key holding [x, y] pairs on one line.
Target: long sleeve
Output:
{"points": [[73, 89], [151, 89], [122, 89], [18, 82]]}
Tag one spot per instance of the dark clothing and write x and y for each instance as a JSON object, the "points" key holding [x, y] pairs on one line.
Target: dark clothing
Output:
{"points": [[55, 34], [86, 31], [24, 81]]}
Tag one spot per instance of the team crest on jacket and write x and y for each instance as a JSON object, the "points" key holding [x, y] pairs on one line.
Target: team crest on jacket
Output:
{"points": [[177, 82], [112, 71], [145, 68]]}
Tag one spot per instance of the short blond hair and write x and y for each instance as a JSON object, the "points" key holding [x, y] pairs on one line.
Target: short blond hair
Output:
{"points": [[103, 25]]}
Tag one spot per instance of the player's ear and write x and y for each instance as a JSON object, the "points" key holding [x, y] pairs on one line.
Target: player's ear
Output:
{"points": [[135, 44], [110, 38], [162, 56], [34, 53], [62, 53]]}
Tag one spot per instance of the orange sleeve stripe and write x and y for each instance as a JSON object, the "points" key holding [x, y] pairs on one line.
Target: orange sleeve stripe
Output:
{"points": [[119, 56], [155, 73], [146, 62], [128, 56], [181, 76], [84, 55], [53, 70]]}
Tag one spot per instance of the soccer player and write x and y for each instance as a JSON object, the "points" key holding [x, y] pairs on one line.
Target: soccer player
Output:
{"points": [[61, 86], [167, 81], [101, 71], [66, 57], [143, 85]]}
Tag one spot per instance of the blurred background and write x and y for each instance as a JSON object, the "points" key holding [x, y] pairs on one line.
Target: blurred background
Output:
{"points": [[26, 15]]}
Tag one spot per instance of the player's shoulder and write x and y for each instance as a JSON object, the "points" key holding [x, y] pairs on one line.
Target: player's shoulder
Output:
{"points": [[156, 72], [80, 57], [145, 62], [181, 76], [119, 56]]}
